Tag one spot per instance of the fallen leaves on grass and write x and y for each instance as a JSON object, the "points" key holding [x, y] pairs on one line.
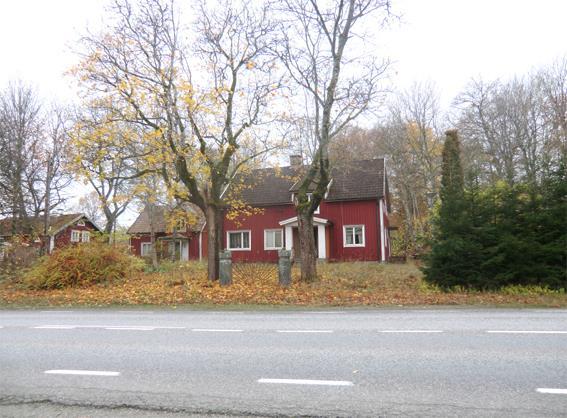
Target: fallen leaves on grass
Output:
{"points": [[340, 284]]}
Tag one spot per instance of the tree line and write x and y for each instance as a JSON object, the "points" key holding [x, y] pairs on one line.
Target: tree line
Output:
{"points": [[512, 132]]}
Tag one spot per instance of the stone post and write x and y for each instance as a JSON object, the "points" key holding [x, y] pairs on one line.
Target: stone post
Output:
{"points": [[284, 268], [225, 268]]}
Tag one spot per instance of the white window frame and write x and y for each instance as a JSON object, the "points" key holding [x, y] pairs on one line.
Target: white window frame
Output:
{"points": [[266, 231], [86, 234], [345, 235], [81, 223], [241, 231], [148, 252], [75, 233]]}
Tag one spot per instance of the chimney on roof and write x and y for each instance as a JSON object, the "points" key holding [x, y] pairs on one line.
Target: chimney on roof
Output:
{"points": [[295, 160]]}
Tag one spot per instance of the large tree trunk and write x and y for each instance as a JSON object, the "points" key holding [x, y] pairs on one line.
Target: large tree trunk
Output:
{"points": [[308, 250], [110, 222], [214, 240]]}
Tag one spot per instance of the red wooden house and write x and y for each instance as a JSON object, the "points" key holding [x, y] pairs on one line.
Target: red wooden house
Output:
{"points": [[350, 224], [63, 230]]}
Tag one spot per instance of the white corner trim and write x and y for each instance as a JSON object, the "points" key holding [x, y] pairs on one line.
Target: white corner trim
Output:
{"points": [[382, 246], [321, 242], [288, 238], [249, 248], [354, 245], [328, 189]]}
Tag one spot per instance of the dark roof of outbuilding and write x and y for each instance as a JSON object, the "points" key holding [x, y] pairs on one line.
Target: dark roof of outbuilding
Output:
{"points": [[142, 223], [353, 180]]}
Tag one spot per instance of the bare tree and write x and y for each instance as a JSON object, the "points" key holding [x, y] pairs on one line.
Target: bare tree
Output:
{"points": [[516, 126], [32, 170], [553, 84], [416, 111], [19, 130], [196, 107], [315, 35], [89, 204], [106, 155], [55, 176]]}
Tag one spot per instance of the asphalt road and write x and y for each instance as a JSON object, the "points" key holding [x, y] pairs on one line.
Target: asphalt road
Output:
{"points": [[419, 362]]}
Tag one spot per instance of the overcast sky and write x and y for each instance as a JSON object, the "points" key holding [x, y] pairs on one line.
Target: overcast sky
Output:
{"points": [[444, 41]]}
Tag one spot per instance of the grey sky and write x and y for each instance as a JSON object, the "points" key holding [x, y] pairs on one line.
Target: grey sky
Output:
{"points": [[445, 41]]}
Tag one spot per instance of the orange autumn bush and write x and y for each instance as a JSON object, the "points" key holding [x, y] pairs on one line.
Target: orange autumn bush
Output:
{"points": [[81, 266]]}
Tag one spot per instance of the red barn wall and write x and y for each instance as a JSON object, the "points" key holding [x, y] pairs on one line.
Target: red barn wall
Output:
{"points": [[342, 213], [338, 213], [257, 223], [364, 212]]}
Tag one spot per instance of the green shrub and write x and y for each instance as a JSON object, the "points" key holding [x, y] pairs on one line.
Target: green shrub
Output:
{"points": [[81, 266]]}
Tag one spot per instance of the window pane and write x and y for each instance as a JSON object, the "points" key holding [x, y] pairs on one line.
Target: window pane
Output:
{"points": [[349, 236], [269, 239], [245, 240], [235, 240], [274, 239], [358, 235]]}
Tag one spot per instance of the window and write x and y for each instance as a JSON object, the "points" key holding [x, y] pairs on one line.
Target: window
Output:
{"points": [[146, 249], [85, 236], [75, 236], [181, 225], [238, 240], [273, 239], [81, 223], [353, 236]]}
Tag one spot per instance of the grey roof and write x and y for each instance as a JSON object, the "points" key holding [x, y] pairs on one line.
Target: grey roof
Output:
{"points": [[142, 223], [353, 180]]}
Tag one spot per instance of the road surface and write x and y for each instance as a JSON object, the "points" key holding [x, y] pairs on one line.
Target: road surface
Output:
{"points": [[414, 362]]}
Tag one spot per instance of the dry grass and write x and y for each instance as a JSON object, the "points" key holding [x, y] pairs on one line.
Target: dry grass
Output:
{"points": [[340, 284]]}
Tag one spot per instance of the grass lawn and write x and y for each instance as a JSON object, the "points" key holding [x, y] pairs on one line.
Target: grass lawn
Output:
{"points": [[340, 284]]}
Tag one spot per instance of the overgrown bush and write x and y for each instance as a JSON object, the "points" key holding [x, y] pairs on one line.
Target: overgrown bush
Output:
{"points": [[81, 266]]}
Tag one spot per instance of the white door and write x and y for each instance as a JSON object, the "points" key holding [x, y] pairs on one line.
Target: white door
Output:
{"points": [[184, 250]]}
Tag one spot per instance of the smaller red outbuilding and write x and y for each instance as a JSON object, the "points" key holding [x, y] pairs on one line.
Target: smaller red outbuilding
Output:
{"points": [[63, 230]]}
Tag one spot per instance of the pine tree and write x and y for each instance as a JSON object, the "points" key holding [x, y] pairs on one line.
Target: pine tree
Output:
{"points": [[455, 253]]}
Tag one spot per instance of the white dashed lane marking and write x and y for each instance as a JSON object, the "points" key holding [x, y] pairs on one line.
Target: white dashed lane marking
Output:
{"points": [[215, 330], [410, 331], [552, 391], [108, 327], [83, 372], [525, 332], [307, 382], [306, 331]]}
